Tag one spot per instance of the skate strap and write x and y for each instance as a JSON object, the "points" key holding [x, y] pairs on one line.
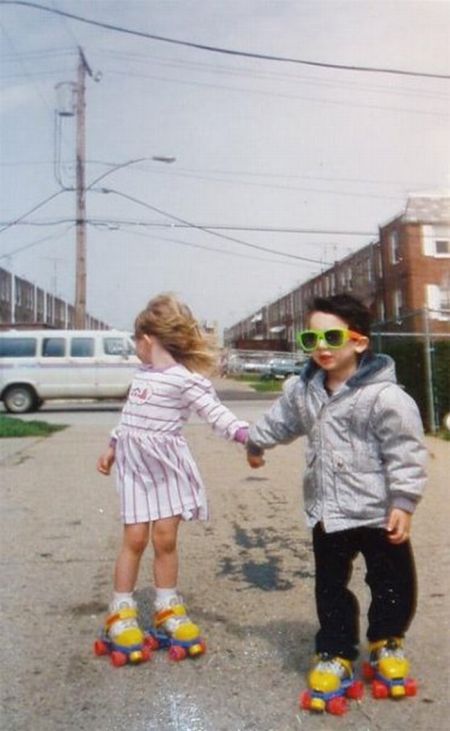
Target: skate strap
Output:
{"points": [[129, 613], [165, 614]]}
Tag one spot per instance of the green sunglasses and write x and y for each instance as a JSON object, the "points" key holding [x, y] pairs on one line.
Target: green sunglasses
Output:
{"points": [[335, 338]]}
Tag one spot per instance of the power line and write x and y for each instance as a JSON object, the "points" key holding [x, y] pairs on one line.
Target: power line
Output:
{"points": [[226, 51], [213, 250], [35, 208], [52, 237], [207, 230], [280, 95], [214, 226]]}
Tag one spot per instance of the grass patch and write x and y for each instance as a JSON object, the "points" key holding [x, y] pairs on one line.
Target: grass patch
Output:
{"points": [[443, 434], [268, 385], [12, 427]]}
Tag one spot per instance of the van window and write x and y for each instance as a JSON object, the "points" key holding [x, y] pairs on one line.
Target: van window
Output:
{"points": [[82, 347], [17, 347], [114, 346], [53, 348]]}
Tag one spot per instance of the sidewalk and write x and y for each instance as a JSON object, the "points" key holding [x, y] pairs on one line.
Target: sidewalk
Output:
{"points": [[247, 576]]}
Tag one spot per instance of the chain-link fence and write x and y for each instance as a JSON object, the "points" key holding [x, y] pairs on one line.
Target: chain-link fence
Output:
{"points": [[422, 357]]}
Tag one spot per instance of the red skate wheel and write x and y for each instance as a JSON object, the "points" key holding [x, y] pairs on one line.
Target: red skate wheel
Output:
{"points": [[100, 648], [151, 642], [146, 654], [177, 653], [355, 691], [305, 700], [368, 671], [379, 689], [337, 706], [411, 686], [118, 658]]}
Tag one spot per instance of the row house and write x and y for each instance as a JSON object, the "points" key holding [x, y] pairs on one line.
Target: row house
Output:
{"points": [[399, 277], [415, 250], [24, 304]]}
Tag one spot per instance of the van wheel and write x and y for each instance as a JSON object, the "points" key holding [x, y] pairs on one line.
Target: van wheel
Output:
{"points": [[20, 399]]}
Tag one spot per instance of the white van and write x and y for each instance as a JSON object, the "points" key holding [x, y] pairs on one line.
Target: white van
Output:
{"points": [[38, 365]]}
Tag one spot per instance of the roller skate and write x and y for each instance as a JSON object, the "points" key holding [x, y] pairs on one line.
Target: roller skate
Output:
{"points": [[331, 682], [388, 670], [122, 639], [173, 630]]}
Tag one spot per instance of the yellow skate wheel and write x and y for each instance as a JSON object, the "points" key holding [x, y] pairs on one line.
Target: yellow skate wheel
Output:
{"points": [[317, 704], [196, 649], [398, 691], [135, 656]]}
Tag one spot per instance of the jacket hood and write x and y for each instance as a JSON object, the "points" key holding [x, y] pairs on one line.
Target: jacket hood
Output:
{"points": [[372, 368]]}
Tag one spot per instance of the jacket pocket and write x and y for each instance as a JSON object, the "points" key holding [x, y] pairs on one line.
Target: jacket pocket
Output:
{"points": [[360, 485]]}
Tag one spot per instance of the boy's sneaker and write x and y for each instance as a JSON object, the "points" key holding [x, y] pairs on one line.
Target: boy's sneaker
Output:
{"points": [[173, 619], [388, 669]]}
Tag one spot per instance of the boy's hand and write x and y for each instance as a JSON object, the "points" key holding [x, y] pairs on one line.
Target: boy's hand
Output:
{"points": [[399, 525], [255, 460], [106, 461]]}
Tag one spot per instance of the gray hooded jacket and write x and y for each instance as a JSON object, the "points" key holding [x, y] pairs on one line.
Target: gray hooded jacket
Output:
{"points": [[365, 451]]}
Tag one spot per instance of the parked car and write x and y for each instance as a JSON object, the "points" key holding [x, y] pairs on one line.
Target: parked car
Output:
{"points": [[283, 368], [39, 365]]}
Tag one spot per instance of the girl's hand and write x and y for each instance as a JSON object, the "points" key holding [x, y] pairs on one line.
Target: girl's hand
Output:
{"points": [[255, 460], [106, 461], [399, 526]]}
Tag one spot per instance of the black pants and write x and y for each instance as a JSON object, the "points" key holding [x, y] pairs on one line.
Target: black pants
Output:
{"points": [[390, 575]]}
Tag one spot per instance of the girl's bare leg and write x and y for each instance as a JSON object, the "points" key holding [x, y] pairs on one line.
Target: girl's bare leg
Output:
{"points": [[135, 540], [164, 539]]}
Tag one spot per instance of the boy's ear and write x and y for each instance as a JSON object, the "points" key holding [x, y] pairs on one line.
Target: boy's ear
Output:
{"points": [[148, 339], [362, 344]]}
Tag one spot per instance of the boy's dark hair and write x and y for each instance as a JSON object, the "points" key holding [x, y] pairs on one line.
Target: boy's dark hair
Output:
{"points": [[348, 308]]}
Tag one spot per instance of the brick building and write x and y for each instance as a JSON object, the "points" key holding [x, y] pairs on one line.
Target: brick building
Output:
{"points": [[402, 275], [23, 304]]}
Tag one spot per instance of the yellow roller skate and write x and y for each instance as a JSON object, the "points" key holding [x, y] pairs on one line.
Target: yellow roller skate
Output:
{"points": [[174, 630], [330, 682], [388, 670], [122, 638]]}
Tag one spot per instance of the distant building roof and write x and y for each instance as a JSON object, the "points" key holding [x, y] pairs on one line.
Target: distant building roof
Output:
{"points": [[427, 209]]}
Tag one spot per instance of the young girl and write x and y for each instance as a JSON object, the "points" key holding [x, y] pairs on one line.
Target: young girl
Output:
{"points": [[158, 481]]}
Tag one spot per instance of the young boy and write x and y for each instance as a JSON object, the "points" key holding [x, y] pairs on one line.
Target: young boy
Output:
{"points": [[365, 474]]}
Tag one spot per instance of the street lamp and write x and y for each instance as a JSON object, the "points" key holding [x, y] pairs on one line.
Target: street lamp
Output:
{"points": [[80, 262]]}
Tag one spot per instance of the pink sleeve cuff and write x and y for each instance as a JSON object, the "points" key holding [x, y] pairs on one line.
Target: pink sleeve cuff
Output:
{"points": [[241, 435]]}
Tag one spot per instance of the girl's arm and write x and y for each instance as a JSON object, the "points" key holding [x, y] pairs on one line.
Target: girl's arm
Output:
{"points": [[200, 397]]}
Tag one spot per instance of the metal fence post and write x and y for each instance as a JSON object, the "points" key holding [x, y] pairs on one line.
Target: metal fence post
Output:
{"points": [[429, 373]]}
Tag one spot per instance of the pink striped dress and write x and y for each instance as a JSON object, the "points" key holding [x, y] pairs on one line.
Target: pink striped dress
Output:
{"points": [[157, 475]]}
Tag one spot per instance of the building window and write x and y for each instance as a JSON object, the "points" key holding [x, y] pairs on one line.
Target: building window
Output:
{"points": [[398, 303], [436, 241], [394, 247], [438, 301]]}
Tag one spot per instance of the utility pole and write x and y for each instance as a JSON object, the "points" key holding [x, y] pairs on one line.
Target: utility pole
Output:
{"points": [[80, 256]]}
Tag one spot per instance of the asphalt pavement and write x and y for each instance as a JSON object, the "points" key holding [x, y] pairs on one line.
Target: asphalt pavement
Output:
{"points": [[247, 577]]}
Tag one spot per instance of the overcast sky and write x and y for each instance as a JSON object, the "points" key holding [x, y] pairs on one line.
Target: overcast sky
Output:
{"points": [[259, 144]]}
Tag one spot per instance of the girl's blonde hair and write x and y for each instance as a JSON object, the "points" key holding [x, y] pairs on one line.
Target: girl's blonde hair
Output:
{"points": [[173, 323]]}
